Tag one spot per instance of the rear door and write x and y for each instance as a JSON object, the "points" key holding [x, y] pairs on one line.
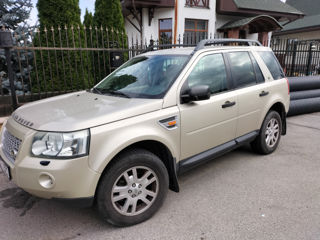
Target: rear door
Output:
{"points": [[248, 82]]}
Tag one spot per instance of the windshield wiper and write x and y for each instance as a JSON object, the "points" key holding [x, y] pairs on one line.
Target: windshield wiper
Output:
{"points": [[109, 92], [96, 90], [115, 93], [118, 93]]}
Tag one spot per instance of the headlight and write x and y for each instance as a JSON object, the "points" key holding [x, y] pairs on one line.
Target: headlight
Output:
{"points": [[60, 145]]}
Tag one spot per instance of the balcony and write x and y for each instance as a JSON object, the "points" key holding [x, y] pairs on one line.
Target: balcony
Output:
{"points": [[147, 4], [197, 3]]}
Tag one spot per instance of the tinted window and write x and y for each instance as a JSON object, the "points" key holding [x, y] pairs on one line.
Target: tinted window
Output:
{"points": [[259, 75], [272, 63], [242, 69], [210, 70]]}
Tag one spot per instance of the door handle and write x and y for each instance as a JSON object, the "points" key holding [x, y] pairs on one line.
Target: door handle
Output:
{"points": [[263, 93], [228, 104]]}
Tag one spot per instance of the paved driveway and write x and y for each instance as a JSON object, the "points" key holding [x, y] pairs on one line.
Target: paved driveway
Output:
{"points": [[239, 196]]}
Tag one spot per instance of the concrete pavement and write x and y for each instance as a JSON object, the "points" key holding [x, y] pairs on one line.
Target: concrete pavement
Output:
{"points": [[238, 196]]}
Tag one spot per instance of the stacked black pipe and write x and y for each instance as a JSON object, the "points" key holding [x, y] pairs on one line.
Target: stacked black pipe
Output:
{"points": [[304, 95]]}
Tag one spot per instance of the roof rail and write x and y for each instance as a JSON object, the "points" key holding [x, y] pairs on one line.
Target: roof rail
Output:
{"points": [[224, 41], [157, 47]]}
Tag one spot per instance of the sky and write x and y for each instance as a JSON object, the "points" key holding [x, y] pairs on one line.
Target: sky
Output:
{"points": [[83, 5]]}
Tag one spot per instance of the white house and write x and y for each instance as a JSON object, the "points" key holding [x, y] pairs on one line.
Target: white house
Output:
{"points": [[188, 21]]}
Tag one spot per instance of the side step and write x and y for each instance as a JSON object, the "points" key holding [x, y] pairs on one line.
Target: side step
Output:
{"points": [[194, 161]]}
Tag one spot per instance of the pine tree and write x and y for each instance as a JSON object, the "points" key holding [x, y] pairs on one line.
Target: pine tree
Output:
{"points": [[103, 13], [88, 19], [108, 16], [58, 12], [13, 15], [60, 26], [14, 12], [118, 21]]}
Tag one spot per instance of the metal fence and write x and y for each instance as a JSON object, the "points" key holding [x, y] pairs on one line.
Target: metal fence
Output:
{"points": [[297, 57], [51, 61]]}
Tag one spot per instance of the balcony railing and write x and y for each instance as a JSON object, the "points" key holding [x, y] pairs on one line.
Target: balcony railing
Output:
{"points": [[197, 3], [148, 3]]}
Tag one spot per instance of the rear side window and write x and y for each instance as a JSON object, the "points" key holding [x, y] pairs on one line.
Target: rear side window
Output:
{"points": [[259, 75], [272, 63], [242, 69]]}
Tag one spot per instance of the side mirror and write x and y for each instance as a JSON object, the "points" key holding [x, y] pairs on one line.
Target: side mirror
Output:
{"points": [[196, 93]]}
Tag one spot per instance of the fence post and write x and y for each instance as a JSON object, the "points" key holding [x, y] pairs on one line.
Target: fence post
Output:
{"points": [[309, 60], [293, 63], [6, 42]]}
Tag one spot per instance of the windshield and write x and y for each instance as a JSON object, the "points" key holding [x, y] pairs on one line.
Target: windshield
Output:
{"points": [[143, 77]]}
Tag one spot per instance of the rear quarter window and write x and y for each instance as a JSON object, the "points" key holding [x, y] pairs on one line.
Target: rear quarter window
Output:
{"points": [[272, 63], [259, 75]]}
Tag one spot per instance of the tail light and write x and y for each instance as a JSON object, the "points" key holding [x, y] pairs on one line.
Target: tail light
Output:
{"points": [[288, 86]]}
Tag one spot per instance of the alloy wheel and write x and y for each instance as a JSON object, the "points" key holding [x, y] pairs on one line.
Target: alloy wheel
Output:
{"points": [[272, 132], [135, 191]]}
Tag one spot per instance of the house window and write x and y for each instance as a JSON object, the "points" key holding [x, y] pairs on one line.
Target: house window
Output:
{"points": [[195, 30], [165, 31], [197, 3]]}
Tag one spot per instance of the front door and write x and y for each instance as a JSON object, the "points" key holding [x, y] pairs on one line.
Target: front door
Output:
{"points": [[209, 123]]}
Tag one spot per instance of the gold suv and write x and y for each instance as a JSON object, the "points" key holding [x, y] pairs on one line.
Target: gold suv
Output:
{"points": [[122, 144]]}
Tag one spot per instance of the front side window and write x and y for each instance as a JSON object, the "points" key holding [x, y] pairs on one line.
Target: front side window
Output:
{"points": [[143, 77], [272, 64], [211, 71], [241, 69]]}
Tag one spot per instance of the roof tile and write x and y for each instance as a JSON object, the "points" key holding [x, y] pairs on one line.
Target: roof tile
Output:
{"points": [[267, 5], [310, 21]]}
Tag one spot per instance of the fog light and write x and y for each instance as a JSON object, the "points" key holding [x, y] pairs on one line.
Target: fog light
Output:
{"points": [[46, 180]]}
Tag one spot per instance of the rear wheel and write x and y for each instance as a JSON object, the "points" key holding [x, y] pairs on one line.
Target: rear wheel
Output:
{"points": [[270, 133], [133, 188]]}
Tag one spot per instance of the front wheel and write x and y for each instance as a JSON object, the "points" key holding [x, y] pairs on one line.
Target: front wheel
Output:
{"points": [[270, 133], [133, 188]]}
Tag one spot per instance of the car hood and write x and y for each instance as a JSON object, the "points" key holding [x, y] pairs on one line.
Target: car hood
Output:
{"points": [[81, 110]]}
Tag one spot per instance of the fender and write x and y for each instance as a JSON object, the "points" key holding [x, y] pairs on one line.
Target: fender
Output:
{"points": [[282, 111]]}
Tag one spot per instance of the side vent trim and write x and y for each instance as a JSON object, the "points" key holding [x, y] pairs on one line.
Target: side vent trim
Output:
{"points": [[169, 123]]}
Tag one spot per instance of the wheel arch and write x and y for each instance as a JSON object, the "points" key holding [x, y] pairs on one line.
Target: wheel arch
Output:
{"points": [[161, 151], [280, 108]]}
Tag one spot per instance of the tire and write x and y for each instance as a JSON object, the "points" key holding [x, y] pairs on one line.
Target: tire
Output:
{"points": [[133, 188], [264, 144]]}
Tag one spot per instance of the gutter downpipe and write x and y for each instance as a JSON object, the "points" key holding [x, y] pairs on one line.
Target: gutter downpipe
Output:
{"points": [[139, 20], [175, 22]]}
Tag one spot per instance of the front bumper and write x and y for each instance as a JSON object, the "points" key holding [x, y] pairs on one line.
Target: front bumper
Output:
{"points": [[67, 179]]}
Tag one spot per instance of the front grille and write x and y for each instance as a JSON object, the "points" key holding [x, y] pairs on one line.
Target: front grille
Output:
{"points": [[10, 145]]}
